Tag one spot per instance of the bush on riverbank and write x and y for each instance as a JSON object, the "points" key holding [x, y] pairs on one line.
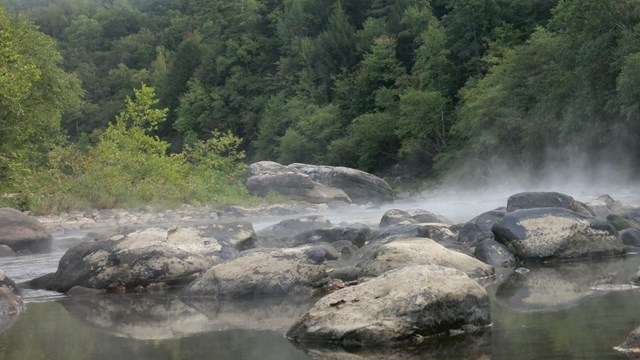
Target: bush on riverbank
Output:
{"points": [[129, 167]]}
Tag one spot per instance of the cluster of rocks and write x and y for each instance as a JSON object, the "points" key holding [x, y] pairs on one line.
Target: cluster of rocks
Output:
{"points": [[413, 276]]}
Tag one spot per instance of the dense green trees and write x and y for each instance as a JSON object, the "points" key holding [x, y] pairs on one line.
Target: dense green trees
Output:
{"points": [[34, 92], [423, 84]]}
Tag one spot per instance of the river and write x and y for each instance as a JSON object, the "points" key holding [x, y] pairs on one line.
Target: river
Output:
{"points": [[551, 312]]}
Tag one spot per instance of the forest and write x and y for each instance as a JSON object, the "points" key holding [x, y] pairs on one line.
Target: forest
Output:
{"points": [[407, 89]]}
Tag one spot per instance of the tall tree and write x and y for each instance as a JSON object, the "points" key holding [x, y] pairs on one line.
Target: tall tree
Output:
{"points": [[34, 92]]}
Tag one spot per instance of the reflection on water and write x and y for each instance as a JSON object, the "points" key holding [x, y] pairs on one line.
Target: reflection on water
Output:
{"points": [[547, 313]]}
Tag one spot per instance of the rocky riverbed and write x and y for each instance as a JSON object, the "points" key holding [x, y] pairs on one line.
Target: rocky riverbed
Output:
{"points": [[337, 274]]}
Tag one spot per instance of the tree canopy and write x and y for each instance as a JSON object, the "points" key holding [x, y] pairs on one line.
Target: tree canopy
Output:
{"points": [[404, 87]]}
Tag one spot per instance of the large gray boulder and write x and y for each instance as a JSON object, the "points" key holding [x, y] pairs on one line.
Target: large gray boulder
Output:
{"points": [[629, 218], [287, 230], [21, 232], [151, 255], [360, 186], [556, 234], [298, 274], [532, 200], [478, 229], [401, 306], [493, 253], [269, 176], [420, 251]]}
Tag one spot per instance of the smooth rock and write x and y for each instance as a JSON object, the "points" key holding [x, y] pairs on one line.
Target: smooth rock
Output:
{"points": [[151, 255], [493, 253], [420, 251], [533, 200], [361, 187], [298, 274], [432, 300], [544, 234], [22, 232], [269, 176]]}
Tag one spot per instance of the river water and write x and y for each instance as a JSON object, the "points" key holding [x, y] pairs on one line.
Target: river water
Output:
{"points": [[550, 312]]}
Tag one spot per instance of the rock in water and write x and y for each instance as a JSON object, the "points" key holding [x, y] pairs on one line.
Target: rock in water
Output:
{"points": [[150, 255], [297, 274], [533, 200], [21, 232], [421, 251], [401, 306], [556, 234]]}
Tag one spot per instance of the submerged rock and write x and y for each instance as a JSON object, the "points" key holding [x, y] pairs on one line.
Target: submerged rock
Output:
{"points": [[402, 306], [297, 274], [21, 232], [556, 234]]}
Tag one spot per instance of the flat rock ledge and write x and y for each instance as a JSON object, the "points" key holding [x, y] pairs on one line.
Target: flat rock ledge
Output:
{"points": [[402, 306]]}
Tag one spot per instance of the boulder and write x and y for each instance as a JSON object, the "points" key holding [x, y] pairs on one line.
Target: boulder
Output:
{"points": [[605, 205], [354, 235], [151, 255], [532, 200], [10, 301], [420, 251], [556, 234], [478, 229], [297, 274], [625, 220], [630, 237], [397, 216], [432, 300], [268, 176], [438, 232], [360, 186], [287, 230], [21, 232], [6, 251], [495, 254]]}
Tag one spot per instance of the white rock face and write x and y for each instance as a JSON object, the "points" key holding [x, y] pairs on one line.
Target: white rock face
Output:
{"points": [[401, 306]]}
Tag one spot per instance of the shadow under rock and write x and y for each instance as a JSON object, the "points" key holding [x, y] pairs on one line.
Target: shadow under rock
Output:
{"points": [[476, 347]]}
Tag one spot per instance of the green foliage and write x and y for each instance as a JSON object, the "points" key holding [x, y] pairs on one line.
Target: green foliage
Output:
{"points": [[34, 91], [371, 84]]}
